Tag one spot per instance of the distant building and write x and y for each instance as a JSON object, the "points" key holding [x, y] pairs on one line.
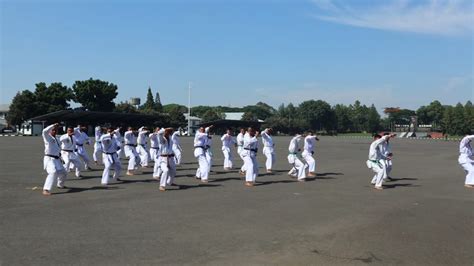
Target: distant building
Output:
{"points": [[195, 121], [3, 115]]}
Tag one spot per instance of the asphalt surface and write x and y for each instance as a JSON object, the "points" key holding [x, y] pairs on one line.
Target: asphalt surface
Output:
{"points": [[426, 217]]}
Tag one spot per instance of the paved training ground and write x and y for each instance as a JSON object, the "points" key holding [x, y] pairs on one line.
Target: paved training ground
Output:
{"points": [[426, 217]]}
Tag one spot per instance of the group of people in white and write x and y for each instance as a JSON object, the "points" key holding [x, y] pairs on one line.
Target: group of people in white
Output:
{"points": [[67, 152]]}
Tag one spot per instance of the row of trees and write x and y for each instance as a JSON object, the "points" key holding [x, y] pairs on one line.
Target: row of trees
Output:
{"points": [[98, 95], [94, 95]]}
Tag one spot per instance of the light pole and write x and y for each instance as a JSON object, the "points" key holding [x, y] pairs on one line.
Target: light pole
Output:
{"points": [[189, 109]]}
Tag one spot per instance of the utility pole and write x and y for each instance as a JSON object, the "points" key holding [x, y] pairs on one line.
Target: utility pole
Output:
{"points": [[189, 109]]}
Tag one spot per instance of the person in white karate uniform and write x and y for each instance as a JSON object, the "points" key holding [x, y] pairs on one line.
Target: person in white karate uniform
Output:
{"points": [[119, 138], [142, 146], [387, 156], [240, 149], [209, 153], [200, 141], [268, 148], [130, 141], [81, 139], [110, 158], [250, 156], [177, 147], [466, 159], [167, 161], [97, 145], [227, 143], [68, 152], [298, 169], [308, 151], [154, 153], [52, 161], [374, 161]]}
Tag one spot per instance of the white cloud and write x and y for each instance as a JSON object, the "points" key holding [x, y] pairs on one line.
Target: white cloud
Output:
{"points": [[439, 17]]}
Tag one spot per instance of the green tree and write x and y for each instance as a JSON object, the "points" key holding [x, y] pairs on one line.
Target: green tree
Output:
{"points": [[249, 116], [95, 94], [149, 104], [158, 105], [447, 121], [459, 122], [373, 119], [168, 107], [124, 107], [22, 108], [211, 115], [343, 118], [316, 114], [52, 98], [260, 110], [177, 118]]}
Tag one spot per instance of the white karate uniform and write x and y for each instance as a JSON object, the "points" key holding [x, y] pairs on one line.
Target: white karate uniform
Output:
{"points": [[176, 147], [97, 145], [308, 151], [209, 151], [374, 161], [240, 149], [130, 150], [299, 168], [250, 157], [154, 154], [119, 139], [466, 159], [68, 154], [200, 141], [51, 161], [167, 161], [81, 138], [227, 142], [385, 150], [268, 149], [142, 147], [110, 158]]}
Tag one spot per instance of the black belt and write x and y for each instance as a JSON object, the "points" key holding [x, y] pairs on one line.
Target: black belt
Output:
{"points": [[254, 150], [167, 155], [133, 145], [202, 147], [52, 156], [70, 150], [79, 144], [110, 153], [156, 148]]}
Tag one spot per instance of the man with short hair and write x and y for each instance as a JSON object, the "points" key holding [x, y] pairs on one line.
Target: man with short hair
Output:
{"points": [[177, 147], [110, 157], [130, 151], [68, 152], [82, 138], [298, 169], [227, 143], [466, 159], [142, 146], [308, 151], [97, 145], [51, 161], [240, 148], [154, 153], [200, 141], [250, 156], [118, 137], [387, 155], [374, 161], [268, 148], [167, 161]]}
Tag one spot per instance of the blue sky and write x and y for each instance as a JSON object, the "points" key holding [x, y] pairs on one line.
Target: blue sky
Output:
{"points": [[390, 53]]}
